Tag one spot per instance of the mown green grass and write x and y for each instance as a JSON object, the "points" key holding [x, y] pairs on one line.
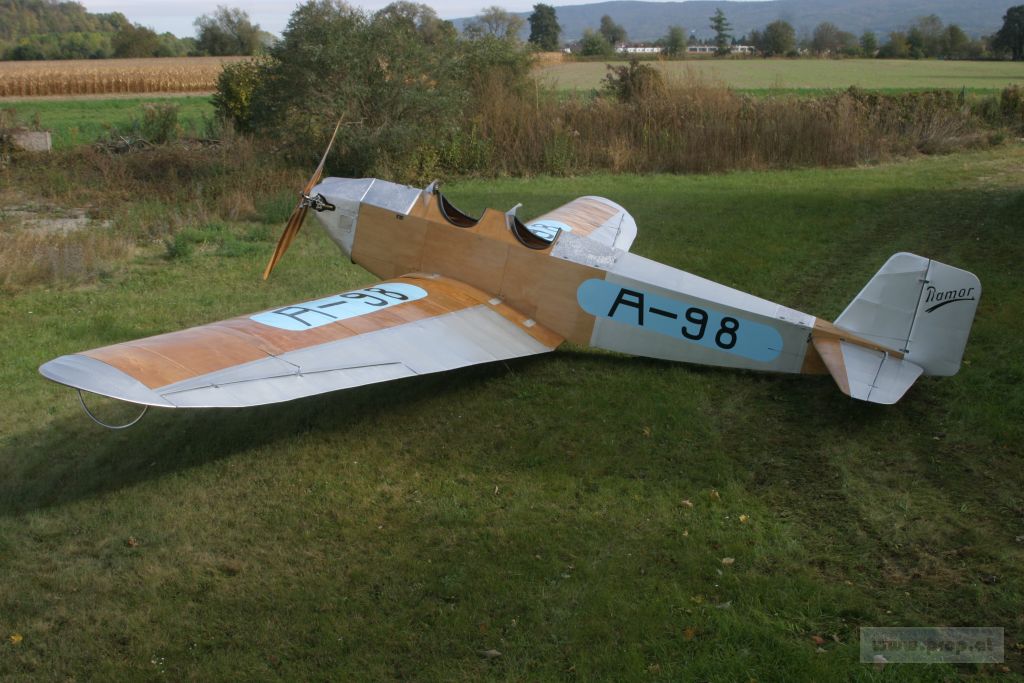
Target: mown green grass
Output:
{"points": [[533, 507], [789, 75], [78, 121]]}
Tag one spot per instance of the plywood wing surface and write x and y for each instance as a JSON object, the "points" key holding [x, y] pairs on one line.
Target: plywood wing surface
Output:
{"points": [[410, 325], [595, 218]]}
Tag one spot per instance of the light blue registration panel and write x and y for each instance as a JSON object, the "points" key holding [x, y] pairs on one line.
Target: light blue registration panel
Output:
{"points": [[689, 323], [340, 307], [548, 230]]}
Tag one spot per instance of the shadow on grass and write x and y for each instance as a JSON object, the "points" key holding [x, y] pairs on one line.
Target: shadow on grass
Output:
{"points": [[73, 459]]}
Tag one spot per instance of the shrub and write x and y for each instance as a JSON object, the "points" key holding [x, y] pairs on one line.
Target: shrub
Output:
{"points": [[235, 86], [693, 126], [633, 82], [160, 123], [1011, 107]]}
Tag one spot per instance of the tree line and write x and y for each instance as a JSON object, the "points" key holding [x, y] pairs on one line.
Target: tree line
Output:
{"points": [[44, 29], [50, 29], [928, 37]]}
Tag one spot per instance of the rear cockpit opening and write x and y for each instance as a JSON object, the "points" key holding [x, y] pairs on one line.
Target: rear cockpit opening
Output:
{"points": [[527, 237]]}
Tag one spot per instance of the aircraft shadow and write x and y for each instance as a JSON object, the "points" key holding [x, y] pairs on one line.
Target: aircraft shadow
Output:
{"points": [[72, 459]]}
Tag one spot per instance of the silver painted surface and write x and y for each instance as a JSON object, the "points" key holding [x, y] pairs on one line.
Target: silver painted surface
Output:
{"points": [[585, 251], [94, 376], [875, 376], [640, 269], [453, 340], [883, 311], [896, 309], [638, 273], [939, 334], [348, 194]]}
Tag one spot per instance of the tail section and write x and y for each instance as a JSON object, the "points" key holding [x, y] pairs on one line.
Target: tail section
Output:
{"points": [[912, 318]]}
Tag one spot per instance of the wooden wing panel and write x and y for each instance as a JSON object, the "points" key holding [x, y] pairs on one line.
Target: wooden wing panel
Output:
{"points": [[400, 327], [596, 218]]}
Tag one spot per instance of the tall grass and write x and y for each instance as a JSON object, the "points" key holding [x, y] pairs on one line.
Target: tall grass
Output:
{"points": [[694, 126], [151, 194], [40, 259], [142, 198]]}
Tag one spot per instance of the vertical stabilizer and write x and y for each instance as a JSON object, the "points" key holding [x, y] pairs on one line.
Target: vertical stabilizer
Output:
{"points": [[919, 307]]}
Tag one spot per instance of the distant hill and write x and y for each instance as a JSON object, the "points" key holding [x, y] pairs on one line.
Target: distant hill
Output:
{"points": [[650, 20]]}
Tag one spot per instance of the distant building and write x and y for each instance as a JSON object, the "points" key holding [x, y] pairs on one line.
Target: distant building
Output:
{"points": [[638, 49], [711, 49]]}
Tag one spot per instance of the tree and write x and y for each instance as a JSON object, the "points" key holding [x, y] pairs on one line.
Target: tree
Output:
{"points": [[925, 36], [896, 47], [612, 32], [135, 41], [779, 39], [1010, 38], [544, 27], [826, 39], [675, 41], [756, 39], [401, 81], [404, 17], [594, 44], [228, 31], [955, 43], [868, 44], [496, 22], [720, 25], [169, 45]]}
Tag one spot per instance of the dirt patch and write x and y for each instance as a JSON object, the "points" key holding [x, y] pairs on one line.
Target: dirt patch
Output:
{"points": [[47, 221]]}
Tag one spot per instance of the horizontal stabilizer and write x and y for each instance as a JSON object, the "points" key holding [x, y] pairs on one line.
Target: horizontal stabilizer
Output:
{"points": [[866, 374]]}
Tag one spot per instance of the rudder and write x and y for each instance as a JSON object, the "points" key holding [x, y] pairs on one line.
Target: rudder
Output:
{"points": [[919, 307]]}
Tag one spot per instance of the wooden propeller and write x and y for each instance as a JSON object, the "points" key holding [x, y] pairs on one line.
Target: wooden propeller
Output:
{"points": [[291, 229]]}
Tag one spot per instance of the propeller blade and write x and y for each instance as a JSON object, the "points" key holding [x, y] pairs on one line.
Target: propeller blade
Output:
{"points": [[285, 241], [291, 229]]}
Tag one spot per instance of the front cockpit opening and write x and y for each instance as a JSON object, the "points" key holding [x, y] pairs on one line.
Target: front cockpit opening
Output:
{"points": [[452, 214]]}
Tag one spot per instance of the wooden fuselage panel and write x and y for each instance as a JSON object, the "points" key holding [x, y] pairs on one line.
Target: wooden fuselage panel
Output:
{"points": [[487, 256]]}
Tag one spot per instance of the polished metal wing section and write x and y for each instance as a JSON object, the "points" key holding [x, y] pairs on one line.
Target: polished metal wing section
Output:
{"points": [[412, 325]]}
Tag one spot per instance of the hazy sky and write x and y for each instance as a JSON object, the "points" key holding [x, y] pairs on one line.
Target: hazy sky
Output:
{"points": [[271, 15]]}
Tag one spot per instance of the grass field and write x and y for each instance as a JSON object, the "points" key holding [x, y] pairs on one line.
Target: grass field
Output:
{"points": [[814, 74], [541, 508], [80, 121]]}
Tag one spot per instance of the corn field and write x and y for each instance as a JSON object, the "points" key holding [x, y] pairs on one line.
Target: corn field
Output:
{"points": [[111, 76]]}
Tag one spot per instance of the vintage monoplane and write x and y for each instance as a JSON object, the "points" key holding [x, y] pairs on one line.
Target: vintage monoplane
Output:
{"points": [[457, 290]]}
